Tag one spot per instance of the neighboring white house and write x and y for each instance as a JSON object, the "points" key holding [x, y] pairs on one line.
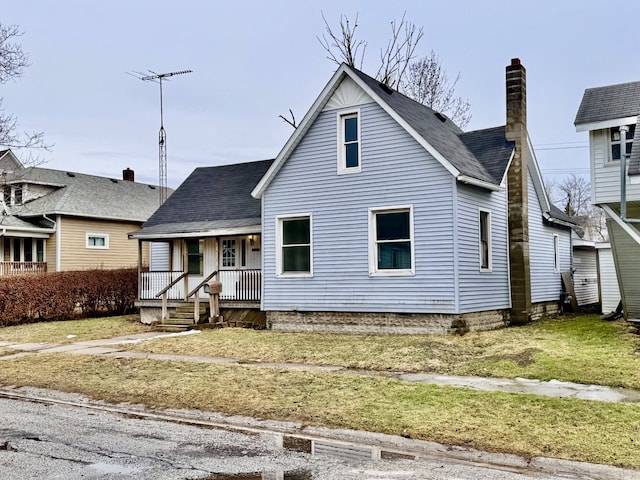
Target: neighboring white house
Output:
{"points": [[611, 115], [608, 281], [380, 214]]}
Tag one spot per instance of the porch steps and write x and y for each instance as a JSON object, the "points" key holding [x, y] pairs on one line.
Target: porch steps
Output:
{"points": [[181, 319]]}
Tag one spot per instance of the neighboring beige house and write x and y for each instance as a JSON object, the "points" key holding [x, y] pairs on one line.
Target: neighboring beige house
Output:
{"points": [[54, 220]]}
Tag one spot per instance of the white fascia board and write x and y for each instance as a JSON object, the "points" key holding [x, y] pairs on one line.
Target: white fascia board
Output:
{"points": [[536, 178], [600, 245], [503, 181], [615, 122], [218, 232], [83, 215], [33, 232], [299, 132], [479, 183], [632, 232]]}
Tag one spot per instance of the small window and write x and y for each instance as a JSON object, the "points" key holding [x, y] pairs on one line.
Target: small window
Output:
{"points": [[98, 240], [39, 250], [229, 253], [295, 245], [485, 240], [391, 250], [194, 256], [556, 254], [349, 142], [615, 138]]}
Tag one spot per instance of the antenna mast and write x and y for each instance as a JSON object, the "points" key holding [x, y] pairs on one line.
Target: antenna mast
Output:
{"points": [[162, 136]]}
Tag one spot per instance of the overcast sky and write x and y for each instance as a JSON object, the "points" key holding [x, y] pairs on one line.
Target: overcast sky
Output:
{"points": [[253, 60]]}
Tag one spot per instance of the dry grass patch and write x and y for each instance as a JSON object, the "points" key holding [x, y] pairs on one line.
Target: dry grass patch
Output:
{"points": [[521, 424], [580, 349], [80, 330]]}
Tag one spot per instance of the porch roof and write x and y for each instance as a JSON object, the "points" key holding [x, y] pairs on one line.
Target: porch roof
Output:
{"points": [[244, 226]]}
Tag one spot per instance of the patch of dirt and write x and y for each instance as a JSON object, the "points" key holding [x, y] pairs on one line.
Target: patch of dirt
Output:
{"points": [[522, 359]]}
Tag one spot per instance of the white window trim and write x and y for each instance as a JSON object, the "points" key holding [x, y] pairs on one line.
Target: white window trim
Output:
{"points": [[97, 235], [609, 155], [279, 266], [489, 268], [342, 161], [556, 253], [373, 251]]}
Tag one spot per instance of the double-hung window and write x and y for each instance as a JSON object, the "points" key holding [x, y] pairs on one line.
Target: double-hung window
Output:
{"points": [[194, 256], [391, 241], [485, 240], [349, 142], [294, 245], [615, 139]]}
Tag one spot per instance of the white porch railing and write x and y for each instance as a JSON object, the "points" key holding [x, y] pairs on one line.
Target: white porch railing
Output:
{"points": [[152, 282], [241, 285], [19, 268]]}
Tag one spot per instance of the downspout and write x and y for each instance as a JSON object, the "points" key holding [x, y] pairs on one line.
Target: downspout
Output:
{"points": [[623, 176], [55, 230]]}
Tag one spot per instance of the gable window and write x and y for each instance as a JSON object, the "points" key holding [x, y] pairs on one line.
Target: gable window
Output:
{"points": [[556, 254], [194, 256], [485, 240], [349, 142], [615, 138], [97, 240], [294, 250], [391, 241]]}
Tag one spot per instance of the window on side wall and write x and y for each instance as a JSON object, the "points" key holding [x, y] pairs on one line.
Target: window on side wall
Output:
{"points": [[556, 254], [615, 139], [485, 240], [391, 241], [294, 246], [349, 142], [98, 241]]}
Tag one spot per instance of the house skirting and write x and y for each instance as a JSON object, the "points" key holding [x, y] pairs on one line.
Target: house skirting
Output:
{"points": [[395, 323], [545, 309]]}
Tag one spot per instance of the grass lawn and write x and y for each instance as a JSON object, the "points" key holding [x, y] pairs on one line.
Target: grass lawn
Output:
{"points": [[80, 330], [581, 349], [522, 424]]}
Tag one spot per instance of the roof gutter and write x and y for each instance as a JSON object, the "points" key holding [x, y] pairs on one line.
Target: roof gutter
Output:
{"points": [[479, 183]]}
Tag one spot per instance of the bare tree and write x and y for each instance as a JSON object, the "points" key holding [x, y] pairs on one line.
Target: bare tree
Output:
{"points": [[424, 80], [573, 195], [427, 82], [13, 61]]}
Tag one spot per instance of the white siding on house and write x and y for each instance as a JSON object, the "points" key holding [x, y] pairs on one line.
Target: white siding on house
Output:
{"points": [[585, 276], [482, 290], [606, 175], [396, 170], [609, 291], [546, 283]]}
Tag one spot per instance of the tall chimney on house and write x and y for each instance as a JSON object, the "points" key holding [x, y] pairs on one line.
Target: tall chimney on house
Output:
{"points": [[517, 176], [128, 175]]}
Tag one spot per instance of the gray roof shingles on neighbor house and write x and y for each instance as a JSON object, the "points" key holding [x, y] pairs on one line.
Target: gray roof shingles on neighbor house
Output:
{"points": [[82, 195], [211, 198], [609, 103]]}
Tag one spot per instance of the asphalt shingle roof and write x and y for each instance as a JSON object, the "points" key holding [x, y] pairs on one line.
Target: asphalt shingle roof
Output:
{"points": [[211, 198], [491, 148], [609, 102], [82, 195]]}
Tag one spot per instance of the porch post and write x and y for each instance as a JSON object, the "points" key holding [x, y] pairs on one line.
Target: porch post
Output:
{"points": [[139, 268]]}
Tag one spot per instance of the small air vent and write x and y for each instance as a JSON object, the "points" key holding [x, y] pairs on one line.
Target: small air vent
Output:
{"points": [[113, 180], [71, 174], [152, 187], [441, 117], [386, 88]]}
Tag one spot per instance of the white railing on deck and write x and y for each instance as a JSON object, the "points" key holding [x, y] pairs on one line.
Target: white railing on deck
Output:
{"points": [[19, 268], [152, 282], [242, 285]]}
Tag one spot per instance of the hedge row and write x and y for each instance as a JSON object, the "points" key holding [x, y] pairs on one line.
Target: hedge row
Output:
{"points": [[67, 295]]}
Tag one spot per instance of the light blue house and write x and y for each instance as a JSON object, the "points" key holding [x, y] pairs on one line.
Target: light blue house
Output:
{"points": [[381, 215]]}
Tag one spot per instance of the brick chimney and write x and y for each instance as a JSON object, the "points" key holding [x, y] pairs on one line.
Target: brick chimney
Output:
{"points": [[516, 131], [128, 175]]}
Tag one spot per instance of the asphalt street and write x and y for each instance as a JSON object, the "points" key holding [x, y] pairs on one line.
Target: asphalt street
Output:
{"points": [[51, 441]]}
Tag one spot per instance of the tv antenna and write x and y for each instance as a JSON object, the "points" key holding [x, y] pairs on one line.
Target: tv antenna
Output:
{"points": [[162, 136]]}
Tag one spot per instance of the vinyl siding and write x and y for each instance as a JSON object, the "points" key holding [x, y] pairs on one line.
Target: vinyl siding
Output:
{"points": [[482, 290], [606, 175], [396, 171], [626, 253], [546, 284], [122, 252], [585, 276]]}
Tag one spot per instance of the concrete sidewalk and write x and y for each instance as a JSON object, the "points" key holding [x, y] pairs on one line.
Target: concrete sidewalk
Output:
{"points": [[553, 388]]}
